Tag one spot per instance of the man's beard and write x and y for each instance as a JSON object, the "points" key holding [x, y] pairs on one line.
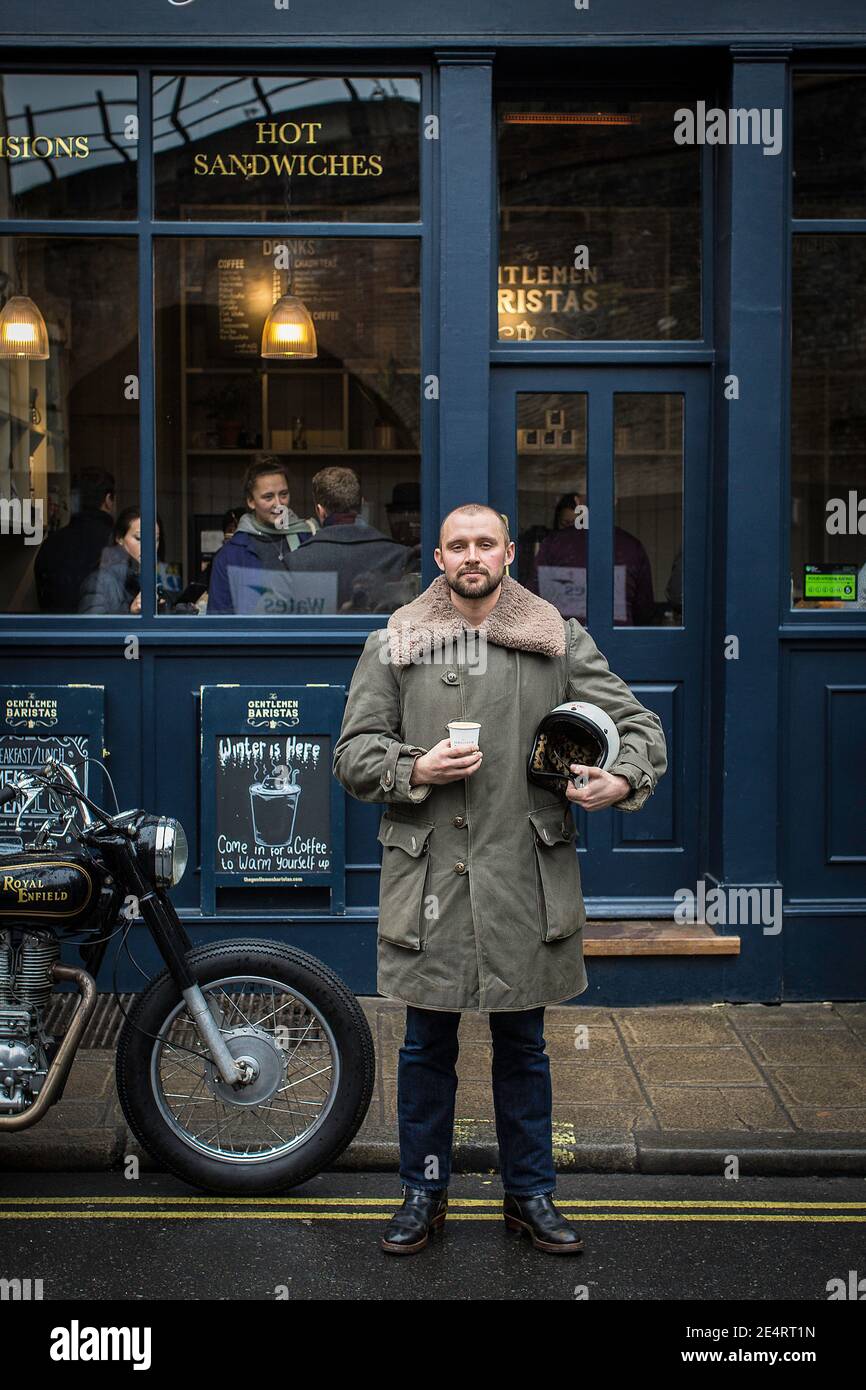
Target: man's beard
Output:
{"points": [[476, 588]]}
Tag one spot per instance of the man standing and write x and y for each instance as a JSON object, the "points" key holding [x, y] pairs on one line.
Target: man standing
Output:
{"points": [[562, 555], [68, 556], [480, 905], [368, 567]]}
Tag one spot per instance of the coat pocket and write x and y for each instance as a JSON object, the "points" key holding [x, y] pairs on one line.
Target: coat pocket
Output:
{"points": [[560, 899], [405, 865]]}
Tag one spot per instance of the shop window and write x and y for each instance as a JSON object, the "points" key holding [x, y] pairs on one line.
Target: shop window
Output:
{"points": [[68, 146], [287, 148], [554, 488], [829, 144], [599, 220], [828, 423], [69, 420], [259, 456]]}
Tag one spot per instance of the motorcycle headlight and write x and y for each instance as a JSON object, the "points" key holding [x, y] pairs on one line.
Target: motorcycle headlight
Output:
{"points": [[165, 850]]}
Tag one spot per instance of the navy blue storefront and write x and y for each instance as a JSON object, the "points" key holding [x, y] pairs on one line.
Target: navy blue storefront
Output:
{"points": [[546, 294]]}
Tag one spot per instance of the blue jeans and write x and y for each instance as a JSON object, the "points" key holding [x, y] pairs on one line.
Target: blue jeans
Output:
{"points": [[522, 1099]]}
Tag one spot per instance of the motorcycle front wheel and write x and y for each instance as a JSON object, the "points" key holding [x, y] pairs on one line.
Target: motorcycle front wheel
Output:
{"points": [[311, 1051]]}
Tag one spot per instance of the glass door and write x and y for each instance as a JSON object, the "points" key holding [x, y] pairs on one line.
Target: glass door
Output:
{"points": [[628, 447]]}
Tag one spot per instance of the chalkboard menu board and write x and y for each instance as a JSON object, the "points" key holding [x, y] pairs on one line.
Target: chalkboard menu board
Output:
{"points": [[41, 722], [270, 815], [242, 284]]}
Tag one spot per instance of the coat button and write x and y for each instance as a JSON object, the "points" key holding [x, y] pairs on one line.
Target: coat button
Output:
{"points": [[459, 820], [460, 867], [387, 779], [451, 676]]}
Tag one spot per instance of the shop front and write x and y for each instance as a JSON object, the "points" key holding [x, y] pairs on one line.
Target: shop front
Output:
{"points": [[268, 314]]}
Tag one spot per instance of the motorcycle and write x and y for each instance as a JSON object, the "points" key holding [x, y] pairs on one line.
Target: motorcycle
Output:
{"points": [[244, 1067]]}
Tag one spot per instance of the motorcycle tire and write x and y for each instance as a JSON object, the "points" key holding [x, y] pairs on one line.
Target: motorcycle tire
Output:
{"points": [[300, 974]]}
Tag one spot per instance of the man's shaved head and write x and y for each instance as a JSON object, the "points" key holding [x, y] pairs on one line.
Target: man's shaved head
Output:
{"points": [[471, 509]]}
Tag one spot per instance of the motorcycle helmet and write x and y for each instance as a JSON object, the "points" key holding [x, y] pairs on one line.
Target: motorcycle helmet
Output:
{"points": [[576, 732]]}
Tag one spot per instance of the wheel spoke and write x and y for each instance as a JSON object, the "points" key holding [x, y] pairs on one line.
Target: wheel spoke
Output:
{"points": [[192, 1095]]}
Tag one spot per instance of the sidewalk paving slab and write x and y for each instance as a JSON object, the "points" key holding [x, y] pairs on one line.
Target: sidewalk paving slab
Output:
{"points": [[672, 1089]]}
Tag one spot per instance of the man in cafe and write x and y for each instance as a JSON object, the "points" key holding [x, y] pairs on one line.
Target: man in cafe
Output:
{"points": [[480, 904], [69, 555], [362, 564]]}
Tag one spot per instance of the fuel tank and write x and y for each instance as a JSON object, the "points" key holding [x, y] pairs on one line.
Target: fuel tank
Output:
{"points": [[74, 892]]}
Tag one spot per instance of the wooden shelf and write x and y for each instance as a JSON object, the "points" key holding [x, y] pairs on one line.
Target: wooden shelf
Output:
{"points": [[655, 938]]}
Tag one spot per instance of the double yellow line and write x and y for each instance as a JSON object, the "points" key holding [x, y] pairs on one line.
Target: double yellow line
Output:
{"points": [[103, 1208]]}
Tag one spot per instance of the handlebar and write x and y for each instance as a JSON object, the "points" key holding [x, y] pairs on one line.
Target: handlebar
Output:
{"points": [[29, 782]]}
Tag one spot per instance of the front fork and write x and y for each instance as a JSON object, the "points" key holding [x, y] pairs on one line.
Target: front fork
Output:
{"points": [[173, 944]]}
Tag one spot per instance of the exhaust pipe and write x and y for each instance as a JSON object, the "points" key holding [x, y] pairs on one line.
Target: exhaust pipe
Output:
{"points": [[60, 1067]]}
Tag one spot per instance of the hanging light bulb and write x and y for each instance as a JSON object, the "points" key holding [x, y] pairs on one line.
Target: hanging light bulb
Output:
{"points": [[289, 331], [22, 330]]}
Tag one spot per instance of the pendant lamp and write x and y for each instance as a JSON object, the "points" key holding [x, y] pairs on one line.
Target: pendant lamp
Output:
{"points": [[23, 334], [289, 331]]}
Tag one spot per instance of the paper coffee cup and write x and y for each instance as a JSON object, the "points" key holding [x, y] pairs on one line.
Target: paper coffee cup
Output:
{"points": [[462, 731]]}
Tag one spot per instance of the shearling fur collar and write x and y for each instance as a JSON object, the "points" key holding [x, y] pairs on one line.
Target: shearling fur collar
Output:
{"points": [[520, 620]]}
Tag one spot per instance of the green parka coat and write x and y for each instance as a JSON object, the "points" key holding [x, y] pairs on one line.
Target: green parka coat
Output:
{"points": [[480, 903]]}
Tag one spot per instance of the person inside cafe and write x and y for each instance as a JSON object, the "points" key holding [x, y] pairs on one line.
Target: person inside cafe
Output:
{"points": [[365, 567], [565, 549], [67, 556], [115, 585], [268, 532]]}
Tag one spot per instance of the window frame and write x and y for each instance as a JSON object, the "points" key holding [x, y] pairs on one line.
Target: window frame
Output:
{"points": [[820, 620], [625, 350], [145, 228]]}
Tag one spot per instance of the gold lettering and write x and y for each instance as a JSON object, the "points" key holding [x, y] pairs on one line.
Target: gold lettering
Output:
{"points": [[300, 165]]}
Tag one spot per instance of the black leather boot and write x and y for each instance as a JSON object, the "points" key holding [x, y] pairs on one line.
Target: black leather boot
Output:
{"points": [[422, 1211], [549, 1230]]}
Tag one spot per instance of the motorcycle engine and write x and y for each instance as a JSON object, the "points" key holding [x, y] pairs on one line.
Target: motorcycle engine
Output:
{"points": [[26, 986]]}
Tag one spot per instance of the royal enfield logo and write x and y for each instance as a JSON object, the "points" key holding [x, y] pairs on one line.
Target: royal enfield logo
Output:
{"points": [[272, 713], [31, 713]]}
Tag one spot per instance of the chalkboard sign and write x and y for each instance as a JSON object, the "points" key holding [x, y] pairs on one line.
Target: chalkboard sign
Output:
{"points": [[41, 722], [270, 815], [243, 282]]}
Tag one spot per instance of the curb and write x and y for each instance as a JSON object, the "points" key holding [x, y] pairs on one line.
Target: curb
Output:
{"points": [[646, 1152]]}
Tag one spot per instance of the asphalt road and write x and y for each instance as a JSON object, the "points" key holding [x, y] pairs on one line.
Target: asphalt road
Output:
{"points": [[98, 1236]]}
